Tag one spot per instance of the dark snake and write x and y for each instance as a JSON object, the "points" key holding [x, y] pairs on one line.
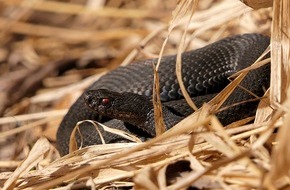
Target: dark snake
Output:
{"points": [[122, 97]]}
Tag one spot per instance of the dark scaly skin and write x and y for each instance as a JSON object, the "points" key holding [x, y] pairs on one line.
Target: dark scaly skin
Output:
{"points": [[204, 71]]}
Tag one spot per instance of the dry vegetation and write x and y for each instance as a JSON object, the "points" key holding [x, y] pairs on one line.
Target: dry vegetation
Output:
{"points": [[52, 50]]}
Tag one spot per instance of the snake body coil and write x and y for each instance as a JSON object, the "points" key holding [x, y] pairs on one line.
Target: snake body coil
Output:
{"points": [[205, 72]]}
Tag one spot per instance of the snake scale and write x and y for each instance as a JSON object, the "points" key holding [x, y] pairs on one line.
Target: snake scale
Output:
{"points": [[123, 96]]}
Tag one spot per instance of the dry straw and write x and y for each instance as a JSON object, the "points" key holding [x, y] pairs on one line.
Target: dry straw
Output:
{"points": [[199, 150]]}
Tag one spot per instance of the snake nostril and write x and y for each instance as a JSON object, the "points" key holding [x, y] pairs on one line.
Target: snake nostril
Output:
{"points": [[88, 97]]}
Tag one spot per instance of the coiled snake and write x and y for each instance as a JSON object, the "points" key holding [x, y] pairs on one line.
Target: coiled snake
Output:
{"points": [[123, 96]]}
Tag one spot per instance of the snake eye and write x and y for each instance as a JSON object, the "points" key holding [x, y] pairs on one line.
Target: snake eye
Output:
{"points": [[105, 101]]}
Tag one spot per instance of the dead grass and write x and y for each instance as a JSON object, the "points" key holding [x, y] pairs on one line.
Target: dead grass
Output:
{"points": [[96, 37]]}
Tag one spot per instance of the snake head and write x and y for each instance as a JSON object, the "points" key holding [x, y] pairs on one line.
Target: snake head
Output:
{"points": [[128, 107], [99, 100]]}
